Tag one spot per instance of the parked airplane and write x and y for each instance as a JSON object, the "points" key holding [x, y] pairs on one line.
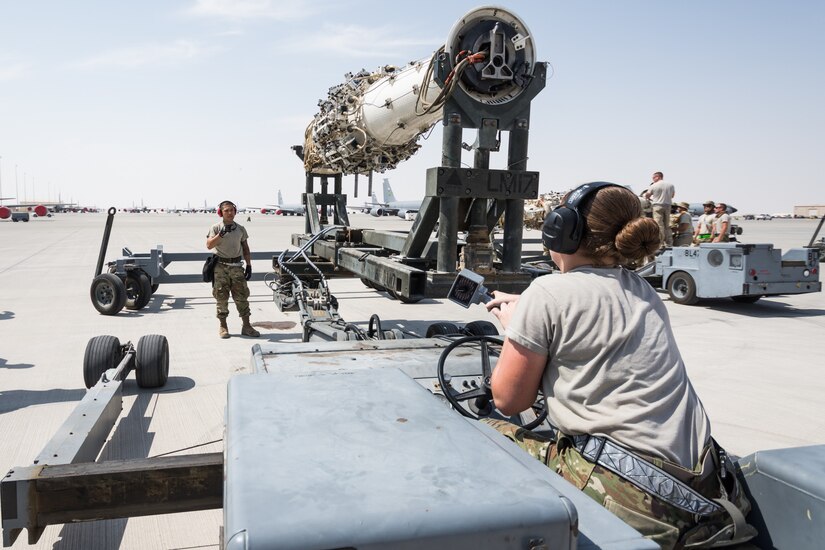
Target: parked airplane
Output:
{"points": [[22, 211], [285, 209], [391, 206], [368, 206]]}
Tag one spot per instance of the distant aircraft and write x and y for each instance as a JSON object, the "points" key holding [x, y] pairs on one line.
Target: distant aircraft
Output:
{"points": [[370, 205], [391, 206], [285, 209], [22, 211]]}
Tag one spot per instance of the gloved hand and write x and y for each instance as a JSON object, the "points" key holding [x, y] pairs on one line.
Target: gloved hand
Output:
{"points": [[226, 229], [248, 273]]}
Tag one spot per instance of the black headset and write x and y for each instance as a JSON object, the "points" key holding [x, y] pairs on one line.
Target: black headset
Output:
{"points": [[564, 226]]}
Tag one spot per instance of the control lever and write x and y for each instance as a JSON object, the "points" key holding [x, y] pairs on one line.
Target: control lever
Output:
{"points": [[468, 289]]}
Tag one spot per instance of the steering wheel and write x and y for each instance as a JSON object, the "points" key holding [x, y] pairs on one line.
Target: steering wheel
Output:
{"points": [[477, 402]]}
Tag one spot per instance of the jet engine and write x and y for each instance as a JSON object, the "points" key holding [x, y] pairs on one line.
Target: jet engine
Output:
{"points": [[374, 120]]}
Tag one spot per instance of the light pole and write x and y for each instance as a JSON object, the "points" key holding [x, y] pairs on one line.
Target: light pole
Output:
{"points": [[1, 180]]}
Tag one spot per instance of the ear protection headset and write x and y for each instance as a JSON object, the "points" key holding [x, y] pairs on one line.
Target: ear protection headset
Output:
{"points": [[220, 207], [563, 227]]}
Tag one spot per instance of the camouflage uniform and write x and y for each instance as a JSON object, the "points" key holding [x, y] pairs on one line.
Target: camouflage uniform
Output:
{"points": [[230, 280], [655, 519]]}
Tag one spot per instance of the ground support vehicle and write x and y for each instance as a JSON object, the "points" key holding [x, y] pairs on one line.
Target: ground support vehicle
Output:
{"points": [[743, 272], [353, 444], [820, 244], [132, 279]]}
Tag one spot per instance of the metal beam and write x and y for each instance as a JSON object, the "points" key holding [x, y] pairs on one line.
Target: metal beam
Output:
{"points": [[108, 490], [458, 182]]}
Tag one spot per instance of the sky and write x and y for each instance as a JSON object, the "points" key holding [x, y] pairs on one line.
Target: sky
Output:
{"points": [[185, 102]]}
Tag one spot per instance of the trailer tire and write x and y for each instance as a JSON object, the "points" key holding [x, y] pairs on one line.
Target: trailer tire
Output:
{"points": [[102, 353], [155, 287], [480, 328], [682, 288], [366, 282], [152, 361], [401, 298], [138, 290], [108, 293], [442, 329], [745, 299]]}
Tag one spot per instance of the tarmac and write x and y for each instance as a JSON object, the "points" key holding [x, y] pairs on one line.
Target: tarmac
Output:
{"points": [[756, 367]]}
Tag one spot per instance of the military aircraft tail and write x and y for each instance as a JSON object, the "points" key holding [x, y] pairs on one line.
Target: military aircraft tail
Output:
{"points": [[389, 196]]}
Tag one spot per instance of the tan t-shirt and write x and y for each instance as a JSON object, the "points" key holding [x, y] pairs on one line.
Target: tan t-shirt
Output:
{"points": [[230, 245], [661, 193], [706, 223], [613, 366], [717, 224]]}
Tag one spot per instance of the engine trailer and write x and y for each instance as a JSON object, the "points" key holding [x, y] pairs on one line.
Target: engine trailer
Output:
{"points": [[742, 272]]}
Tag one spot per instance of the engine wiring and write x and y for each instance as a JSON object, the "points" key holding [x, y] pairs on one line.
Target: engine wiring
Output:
{"points": [[463, 59]]}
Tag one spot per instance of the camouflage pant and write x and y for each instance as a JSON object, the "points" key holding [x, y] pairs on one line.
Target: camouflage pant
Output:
{"points": [[230, 279], [654, 518], [661, 215], [683, 239]]}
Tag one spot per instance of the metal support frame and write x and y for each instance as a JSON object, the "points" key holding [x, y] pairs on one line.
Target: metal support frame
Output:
{"points": [[457, 199], [335, 202], [79, 439], [154, 264], [38, 496]]}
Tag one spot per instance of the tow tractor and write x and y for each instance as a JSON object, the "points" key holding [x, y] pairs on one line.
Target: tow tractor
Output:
{"points": [[742, 272]]}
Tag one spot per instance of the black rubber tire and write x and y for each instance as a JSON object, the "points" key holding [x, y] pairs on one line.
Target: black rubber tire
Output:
{"points": [[682, 288], [745, 299], [138, 290], [102, 353], [402, 299], [480, 328], [366, 282], [108, 294], [152, 361], [155, 287], [441, 329]]}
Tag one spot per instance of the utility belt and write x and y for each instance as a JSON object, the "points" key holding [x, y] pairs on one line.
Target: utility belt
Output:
{"points": [[235, 260], [644, 475]]}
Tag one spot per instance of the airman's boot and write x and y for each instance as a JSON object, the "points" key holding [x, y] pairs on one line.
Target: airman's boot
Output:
{"points": [[247, 329], [223, 331]]}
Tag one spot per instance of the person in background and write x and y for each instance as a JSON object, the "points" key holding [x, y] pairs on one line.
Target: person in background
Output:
{"points": [[660, 194], [229, 241], [684, 226], [721, 224], [704, 227]]}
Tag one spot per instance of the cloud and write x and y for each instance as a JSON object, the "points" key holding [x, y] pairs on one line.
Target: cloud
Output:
{"points": [[172, 53], [349, 41], [251, 9]]}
